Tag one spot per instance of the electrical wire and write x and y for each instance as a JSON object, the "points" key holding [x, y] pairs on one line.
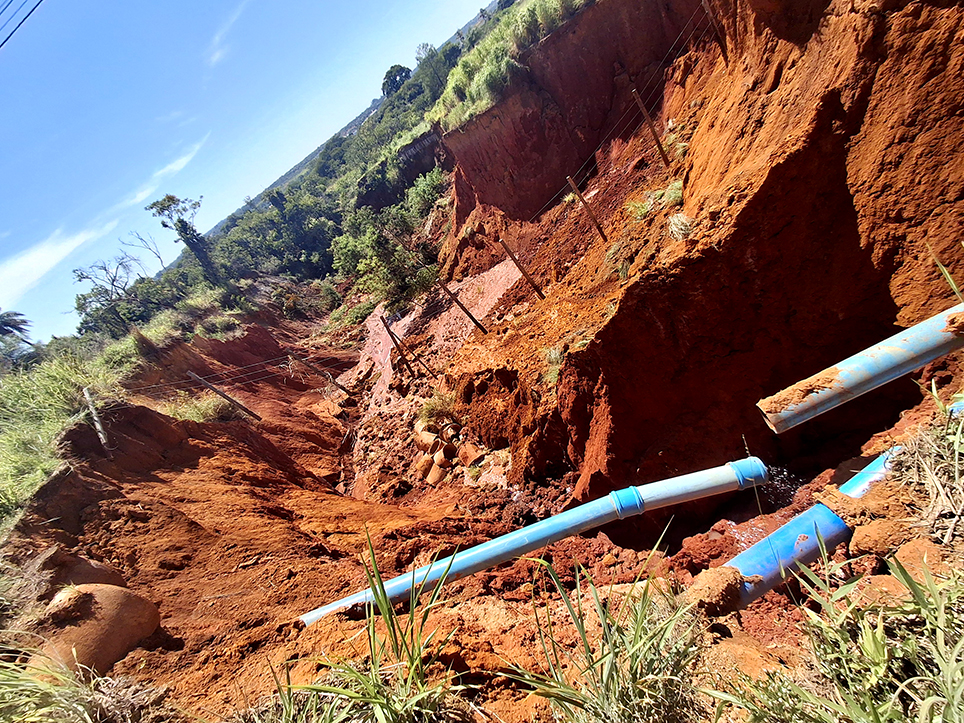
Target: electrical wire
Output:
{"points": [[20, 23]]}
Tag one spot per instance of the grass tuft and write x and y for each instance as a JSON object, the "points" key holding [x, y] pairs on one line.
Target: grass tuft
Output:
{"points": [[679, 226], [439, 408], [638, 669], [873, 664], [204, 407], [48, 692], [400, 680]]}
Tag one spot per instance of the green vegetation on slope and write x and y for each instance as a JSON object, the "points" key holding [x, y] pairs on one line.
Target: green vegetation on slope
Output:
{"points": [[477, 82]]}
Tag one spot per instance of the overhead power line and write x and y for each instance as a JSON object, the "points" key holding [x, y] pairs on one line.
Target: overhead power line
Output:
{"points": [[6, 39]]}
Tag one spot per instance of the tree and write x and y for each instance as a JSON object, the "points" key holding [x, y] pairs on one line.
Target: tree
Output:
{"points": [[147, 243], [178, 216], [99, 308], [14, 323], [427, 55], [395, 78]]}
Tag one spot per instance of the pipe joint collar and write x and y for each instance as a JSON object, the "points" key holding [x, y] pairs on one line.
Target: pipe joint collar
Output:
{"points": [[749, 472], [628, 502]]}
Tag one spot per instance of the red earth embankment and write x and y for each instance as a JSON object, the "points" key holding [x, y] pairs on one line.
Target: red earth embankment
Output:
{"points": [[821, 174]]}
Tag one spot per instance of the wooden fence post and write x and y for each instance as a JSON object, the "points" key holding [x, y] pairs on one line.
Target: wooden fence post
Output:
{"points": [[98, 425], [585, 204], [459, 304], [234, 403], [519, 266], [401, 354], [405, 347], [652, 128], [720, 37]]}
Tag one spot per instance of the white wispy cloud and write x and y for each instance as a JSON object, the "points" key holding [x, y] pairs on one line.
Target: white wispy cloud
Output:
{"points": [[218, 49], [22, 272], [150, 188]]}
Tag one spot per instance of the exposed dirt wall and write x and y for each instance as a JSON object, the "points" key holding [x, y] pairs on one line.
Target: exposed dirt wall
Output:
{"points": [[574, 87], [821, 172]]}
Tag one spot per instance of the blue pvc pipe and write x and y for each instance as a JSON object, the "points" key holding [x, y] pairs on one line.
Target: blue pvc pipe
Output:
{"points": [[618, 505], [767, 563], [863, 372]]}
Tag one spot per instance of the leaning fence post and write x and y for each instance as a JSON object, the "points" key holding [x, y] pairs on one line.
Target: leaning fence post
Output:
{"points": [[585, 204], [98, 425], [652, 128], [720, 37], [519, 266], [401, 354], [406, 348], [459, 304], [234, 402]]}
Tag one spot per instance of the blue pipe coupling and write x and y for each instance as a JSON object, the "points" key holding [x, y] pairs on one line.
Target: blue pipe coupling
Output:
{"points": [[899, 355], [617, 505]]}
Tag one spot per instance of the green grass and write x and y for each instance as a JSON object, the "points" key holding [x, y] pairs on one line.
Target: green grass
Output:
{"points": [[639, 210], [351, 315], [554, 357], [477, 82], [439, 408], [871, 664], [673, 195], [47, 692], [204, 407], [35, 407], [400, 678], [638, 667]]}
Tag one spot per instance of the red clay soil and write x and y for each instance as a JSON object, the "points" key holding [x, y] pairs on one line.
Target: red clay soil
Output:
{"points": [[822, 168]]}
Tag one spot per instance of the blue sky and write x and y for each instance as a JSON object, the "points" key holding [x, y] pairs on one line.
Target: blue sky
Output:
{"points": [[107, 106]]}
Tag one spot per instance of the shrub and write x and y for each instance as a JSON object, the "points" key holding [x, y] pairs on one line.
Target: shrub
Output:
{"points": [[422, 196], [328, 297]]}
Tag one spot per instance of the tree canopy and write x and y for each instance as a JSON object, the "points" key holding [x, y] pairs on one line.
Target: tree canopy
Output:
{"points": [[395, 78]]}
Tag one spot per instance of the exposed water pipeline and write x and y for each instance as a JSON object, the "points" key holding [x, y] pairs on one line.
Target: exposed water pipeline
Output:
{"points": [[767, 563], [892, 358], [618, 505]]}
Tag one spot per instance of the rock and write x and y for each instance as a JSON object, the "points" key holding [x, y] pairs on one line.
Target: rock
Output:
{"points": [[878, 537], [94, 626], [716, 591], [55, 567]]}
